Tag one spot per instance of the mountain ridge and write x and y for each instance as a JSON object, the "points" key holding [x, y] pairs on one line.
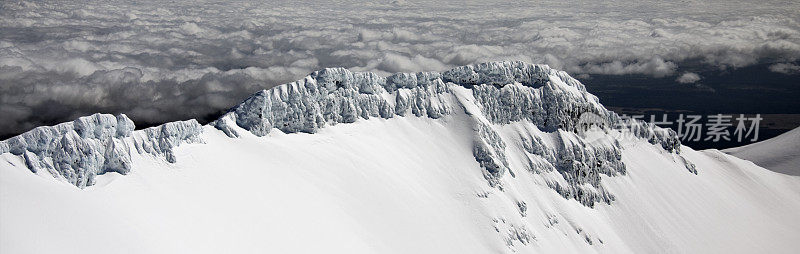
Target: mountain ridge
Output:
{"points": [[471, 167], [492, 93]]}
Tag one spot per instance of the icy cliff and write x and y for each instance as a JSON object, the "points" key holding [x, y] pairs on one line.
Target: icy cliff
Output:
{"points": [[491, 94], [504, 92], [79, 150]]}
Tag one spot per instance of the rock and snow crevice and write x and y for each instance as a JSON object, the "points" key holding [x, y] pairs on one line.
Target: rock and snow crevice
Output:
{"points": [[492, 95]]}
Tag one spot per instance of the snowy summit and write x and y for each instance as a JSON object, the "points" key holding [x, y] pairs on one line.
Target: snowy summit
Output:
{"points": [[482, 158]]}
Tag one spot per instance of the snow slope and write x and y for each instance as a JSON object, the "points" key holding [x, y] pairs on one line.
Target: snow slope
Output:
{"points": [[488, 164], [780, 154]]}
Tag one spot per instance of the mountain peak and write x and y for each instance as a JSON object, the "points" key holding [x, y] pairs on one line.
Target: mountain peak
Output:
{"points": [[488, 94], [336, 95]]}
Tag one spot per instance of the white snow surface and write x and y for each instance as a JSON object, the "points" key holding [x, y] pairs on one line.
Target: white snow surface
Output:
{"points": [[470, 168], [402, 185], [780, 154]]}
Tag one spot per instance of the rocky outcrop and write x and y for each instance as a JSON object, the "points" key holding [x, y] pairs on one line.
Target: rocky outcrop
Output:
{"points": [[337, 95], [77, 151], [161, 140], [491, 94]]}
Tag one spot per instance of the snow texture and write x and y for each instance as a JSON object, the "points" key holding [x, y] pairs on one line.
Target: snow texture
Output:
{"points": [[399, 185], [780, 154]]}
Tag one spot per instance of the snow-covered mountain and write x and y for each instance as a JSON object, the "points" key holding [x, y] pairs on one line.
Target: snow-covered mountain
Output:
{"points": [[483, 158], [780, 154]]}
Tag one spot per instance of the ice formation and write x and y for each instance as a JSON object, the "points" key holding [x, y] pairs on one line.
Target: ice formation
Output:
{"points": [[492, 95], [96, 144], [504, 92]]}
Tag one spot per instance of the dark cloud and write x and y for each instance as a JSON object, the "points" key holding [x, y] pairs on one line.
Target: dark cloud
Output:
{"points": [[785, 68], [185, 59]]}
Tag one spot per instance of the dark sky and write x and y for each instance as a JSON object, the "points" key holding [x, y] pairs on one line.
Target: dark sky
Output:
{"points": [[748, 90]]}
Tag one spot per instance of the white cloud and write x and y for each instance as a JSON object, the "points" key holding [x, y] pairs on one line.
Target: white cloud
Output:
{"points": [[688, 78], [134, 55], [77, 66], [191, 28], [656, 67], [399, 63]]}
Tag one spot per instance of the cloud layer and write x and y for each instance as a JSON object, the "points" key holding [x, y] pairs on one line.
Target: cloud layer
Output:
{"points": [[183, 59], [688, 78]]}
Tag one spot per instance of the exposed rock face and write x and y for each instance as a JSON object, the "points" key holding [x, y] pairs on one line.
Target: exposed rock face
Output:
{"points": [[504, 92], [93, 145], [490, 152], [492, 95], [160, 140], [578, 162], [334, 96]]}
